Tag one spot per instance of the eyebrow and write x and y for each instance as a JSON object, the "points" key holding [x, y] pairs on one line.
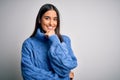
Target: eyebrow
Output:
{"points": [[49, 16]]}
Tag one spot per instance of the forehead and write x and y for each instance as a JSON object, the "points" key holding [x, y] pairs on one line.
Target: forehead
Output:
{"points": [[51, 13]]}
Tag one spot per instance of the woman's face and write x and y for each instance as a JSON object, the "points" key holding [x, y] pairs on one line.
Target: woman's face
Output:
{"points": [[49, 20]]}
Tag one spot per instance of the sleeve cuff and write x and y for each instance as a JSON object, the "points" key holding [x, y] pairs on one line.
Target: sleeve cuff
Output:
{"points": [[54, 39]]}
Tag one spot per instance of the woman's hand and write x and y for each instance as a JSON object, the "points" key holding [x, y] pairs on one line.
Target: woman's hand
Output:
{"points": [[49, 33], [71, 75]]}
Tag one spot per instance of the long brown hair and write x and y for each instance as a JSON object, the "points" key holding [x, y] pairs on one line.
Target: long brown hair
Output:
{"points": [[42, 10]]}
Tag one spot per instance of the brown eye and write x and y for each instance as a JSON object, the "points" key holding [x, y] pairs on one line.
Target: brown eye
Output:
{"points": [[46, 17], [55, 19]]}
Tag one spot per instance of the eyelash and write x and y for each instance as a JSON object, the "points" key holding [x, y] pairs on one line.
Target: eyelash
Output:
{"points": [[55, 19], [48, 18]]}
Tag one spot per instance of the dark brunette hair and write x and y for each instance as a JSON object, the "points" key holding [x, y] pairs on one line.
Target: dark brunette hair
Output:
{"points": [[42, 10]]}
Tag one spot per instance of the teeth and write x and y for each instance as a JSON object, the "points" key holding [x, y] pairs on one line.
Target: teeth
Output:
{"points": [[50, 27]]}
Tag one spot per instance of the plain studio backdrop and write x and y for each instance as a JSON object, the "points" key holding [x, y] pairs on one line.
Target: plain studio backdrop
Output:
{"points": [[92, 25]]}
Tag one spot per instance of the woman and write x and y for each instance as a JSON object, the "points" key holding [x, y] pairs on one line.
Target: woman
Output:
{"points": [[46, 54]]}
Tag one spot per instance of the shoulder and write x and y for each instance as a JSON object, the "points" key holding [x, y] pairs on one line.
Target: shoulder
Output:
{"points": [[27, 42], [66, 38]]}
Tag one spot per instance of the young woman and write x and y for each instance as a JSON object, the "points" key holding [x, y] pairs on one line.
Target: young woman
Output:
{"points": [[46, 54]]}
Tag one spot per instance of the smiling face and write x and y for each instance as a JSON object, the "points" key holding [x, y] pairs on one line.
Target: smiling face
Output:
{"points": [[49, 21]]}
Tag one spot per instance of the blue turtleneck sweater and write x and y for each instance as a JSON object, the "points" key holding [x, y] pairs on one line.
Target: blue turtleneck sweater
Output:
{"points": [[47, 58]]}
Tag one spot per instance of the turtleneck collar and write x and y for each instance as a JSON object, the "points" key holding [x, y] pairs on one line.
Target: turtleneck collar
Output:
{"points": [[40, 35]]}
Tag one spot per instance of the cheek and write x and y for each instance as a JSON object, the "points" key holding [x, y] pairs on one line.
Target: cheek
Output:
{"points": [[55, 24], [43, 25], [44, 22]]}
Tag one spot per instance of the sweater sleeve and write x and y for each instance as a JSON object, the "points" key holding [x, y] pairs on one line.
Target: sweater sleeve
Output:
{"points": [[61, 56], [29, 70]]}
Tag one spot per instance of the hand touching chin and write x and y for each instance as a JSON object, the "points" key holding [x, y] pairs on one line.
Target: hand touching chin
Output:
{"points": [[50, 33]]}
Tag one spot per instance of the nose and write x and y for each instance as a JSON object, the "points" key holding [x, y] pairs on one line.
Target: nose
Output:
{"points": [[51, 23]]}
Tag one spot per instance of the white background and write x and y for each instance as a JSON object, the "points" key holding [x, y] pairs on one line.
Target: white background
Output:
{"points": [[92, 25]]}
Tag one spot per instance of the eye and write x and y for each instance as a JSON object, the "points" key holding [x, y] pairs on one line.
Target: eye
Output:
{"points": [[55, 19], [46, 17]]}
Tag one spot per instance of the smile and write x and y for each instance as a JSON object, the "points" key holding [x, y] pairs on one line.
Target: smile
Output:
{"points": [[50, 27]]}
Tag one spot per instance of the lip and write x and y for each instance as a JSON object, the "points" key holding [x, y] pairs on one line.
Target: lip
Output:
{"points": [[50, 27]]}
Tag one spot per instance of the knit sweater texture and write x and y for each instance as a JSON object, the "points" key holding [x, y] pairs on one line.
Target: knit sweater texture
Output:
{"points": [[46, 58]]}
